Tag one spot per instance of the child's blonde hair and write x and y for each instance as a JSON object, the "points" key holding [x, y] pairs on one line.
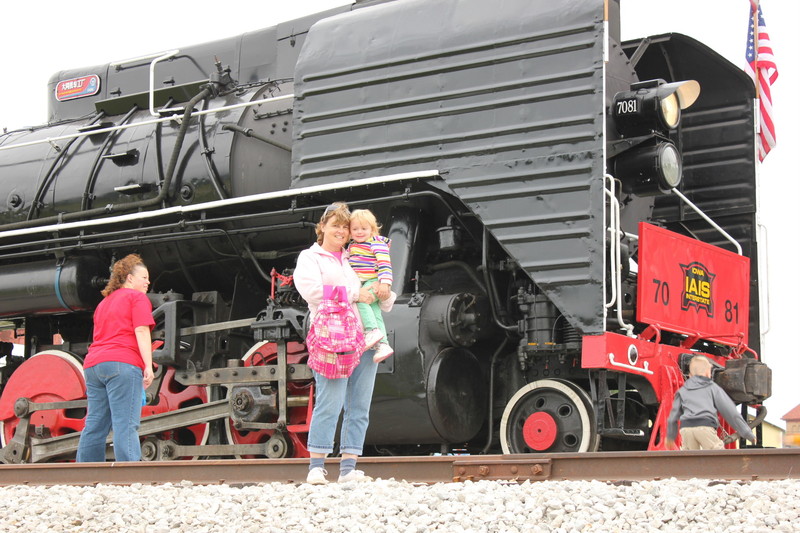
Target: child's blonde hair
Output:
{"points": [[699, 365], [365, 215]]}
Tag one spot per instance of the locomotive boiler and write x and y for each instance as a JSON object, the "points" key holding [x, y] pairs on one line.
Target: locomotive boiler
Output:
{"points": [[572, 217]]}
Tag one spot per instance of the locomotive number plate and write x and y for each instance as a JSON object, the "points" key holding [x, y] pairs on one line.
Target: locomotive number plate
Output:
{"points": [[691, 287]]}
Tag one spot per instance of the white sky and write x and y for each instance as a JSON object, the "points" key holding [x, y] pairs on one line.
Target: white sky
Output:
{"points": [[41, 38]]}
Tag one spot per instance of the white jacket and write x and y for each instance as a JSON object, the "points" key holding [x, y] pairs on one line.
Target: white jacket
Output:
{"points": [[317, 267]]}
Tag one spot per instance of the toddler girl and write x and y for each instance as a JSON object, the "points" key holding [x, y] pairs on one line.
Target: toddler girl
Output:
{"points": [[369, 258]]}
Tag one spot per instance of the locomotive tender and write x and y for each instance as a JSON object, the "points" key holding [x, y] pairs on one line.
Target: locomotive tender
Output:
{"points": [[571, 218]]}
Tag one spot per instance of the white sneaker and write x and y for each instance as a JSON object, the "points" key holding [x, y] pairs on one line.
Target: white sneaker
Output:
{"points": [[373, 337], [316, 476], [354, 475], [383, 352]]}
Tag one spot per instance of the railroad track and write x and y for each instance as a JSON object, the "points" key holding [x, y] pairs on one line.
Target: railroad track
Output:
{"points": [[756, 464]]}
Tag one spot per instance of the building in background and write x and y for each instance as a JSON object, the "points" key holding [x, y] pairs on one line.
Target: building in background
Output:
{"points": [[792, 436], [772, 436]]}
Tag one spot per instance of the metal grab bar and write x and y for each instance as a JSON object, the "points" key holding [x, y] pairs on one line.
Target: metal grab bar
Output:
{"points": [[708, 219], [160, 58]]}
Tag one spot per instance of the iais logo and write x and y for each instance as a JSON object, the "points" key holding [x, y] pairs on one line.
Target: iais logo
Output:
{"points": [[697, 288]]}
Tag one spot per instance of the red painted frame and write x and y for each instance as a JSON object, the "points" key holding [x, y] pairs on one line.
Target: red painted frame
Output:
{"points": [[713, 286]]}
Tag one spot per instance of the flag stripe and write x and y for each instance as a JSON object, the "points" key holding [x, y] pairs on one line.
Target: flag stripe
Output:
{"points": [[760, 66]]}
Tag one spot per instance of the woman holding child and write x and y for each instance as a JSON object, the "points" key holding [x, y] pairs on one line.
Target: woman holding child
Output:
{"points": [[326, 263]]}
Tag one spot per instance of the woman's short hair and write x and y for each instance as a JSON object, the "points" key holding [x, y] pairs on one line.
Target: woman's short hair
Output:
{"points": [[338, 211], [120, 271]]}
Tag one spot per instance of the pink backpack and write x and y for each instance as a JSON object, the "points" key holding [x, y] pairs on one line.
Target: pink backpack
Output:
{"points": [[335, 340]]}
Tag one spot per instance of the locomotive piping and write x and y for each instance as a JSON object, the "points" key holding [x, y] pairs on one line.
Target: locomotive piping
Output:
{"points": [[173, 161], [492, 364], [87, 193], [248, 132], [491, 292], [50, 140], [213, 174], [56, 160], [162, 195], [466, 268]]}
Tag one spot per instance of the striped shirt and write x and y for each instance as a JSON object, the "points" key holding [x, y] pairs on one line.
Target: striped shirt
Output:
{"points": [[370, 259]]}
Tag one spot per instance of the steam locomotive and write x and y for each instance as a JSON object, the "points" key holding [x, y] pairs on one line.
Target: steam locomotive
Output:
{"points": [[572, 218]]}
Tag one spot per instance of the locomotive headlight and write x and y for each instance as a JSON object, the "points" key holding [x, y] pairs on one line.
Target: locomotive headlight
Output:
{"points": [[649, 169], [645, 158], [652, 106], [670, 166], [670, 111]]}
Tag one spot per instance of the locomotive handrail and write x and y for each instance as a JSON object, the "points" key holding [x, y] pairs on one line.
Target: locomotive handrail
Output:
{"points": [[616, 256], [708, 219], [645, 370], [158, 59], [119, 64], [614, 229], [176, 116], [181, 209]]}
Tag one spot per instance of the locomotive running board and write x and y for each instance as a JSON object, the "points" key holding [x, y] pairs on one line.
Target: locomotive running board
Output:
{"points": [[184, 209]]}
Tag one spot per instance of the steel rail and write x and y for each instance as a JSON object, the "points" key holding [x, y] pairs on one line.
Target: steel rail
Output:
{"points": [[727, 465]]}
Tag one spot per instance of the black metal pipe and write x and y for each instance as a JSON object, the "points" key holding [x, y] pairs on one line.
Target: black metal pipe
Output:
{"points": [[62, 152], [490, 286], [90, 182], [211, 168], [464, 266], [248, 132], [492, 364]]}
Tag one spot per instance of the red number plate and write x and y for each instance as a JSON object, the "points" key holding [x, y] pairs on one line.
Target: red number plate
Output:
{"points": [[691, 287]]}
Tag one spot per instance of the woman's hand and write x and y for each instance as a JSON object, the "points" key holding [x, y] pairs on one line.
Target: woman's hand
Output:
{"points": [[383, 291], [365, 296], [147, 376], [146, 351]]}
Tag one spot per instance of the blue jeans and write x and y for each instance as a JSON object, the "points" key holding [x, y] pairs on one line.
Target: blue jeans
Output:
{"points": [[354, 395], [114, 391]]}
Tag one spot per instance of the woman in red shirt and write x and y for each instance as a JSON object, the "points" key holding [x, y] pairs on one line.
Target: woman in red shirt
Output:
{"points": [[119, 363]]}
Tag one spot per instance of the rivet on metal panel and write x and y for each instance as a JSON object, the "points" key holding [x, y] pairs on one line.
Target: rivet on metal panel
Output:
{"points": [[483, 470], [514, 469], [462, 470]]}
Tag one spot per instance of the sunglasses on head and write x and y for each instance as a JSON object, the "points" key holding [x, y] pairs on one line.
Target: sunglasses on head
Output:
{"points": [[332, 207]]}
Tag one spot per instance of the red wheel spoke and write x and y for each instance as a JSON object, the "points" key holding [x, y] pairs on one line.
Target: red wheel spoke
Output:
{"points": [[51, 376]]}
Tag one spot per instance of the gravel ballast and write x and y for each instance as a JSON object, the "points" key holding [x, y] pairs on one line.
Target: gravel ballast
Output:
{"points": [[394, 506]]}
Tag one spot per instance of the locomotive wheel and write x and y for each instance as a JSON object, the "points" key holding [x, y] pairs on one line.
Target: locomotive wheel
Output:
{"points": [[173, 396], [48, 376], [291, 443], [549, 415]]}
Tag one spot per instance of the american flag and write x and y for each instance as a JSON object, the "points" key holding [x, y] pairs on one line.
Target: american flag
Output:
{"points": [[761, 67]]}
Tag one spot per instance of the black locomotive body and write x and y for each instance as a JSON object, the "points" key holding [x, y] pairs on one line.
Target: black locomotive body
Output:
{"points": [[512, 152]]}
